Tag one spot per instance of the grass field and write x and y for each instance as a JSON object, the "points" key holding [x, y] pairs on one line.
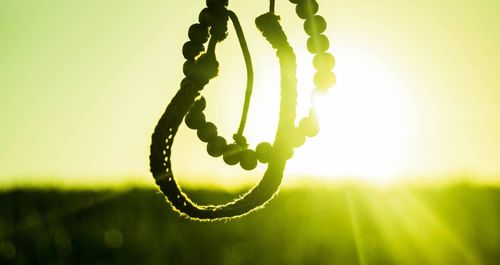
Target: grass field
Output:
{"points": [[347, 225]]}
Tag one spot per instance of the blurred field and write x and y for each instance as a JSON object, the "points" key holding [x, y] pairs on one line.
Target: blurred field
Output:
{"points": [[345, 225]]}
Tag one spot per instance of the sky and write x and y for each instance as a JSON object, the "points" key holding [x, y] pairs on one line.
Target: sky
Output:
{"points": [[83, 83]]}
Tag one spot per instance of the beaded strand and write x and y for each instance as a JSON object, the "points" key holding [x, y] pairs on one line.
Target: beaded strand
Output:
{"points": [[187, 105], [324, 78], [323, 61]]}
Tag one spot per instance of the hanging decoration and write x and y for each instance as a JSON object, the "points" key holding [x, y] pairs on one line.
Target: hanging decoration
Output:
{"points": [[188, 104]]}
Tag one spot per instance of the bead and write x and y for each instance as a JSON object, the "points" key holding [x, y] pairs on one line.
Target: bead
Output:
{"points": [[188, 83], [324, 61], [315, 25], [195, 120], [297, 138], [216, 146], [188, 67], [207, 132], [199, 105], [198, 33], [309, 126], [263, 151], [205, 18], [191, 49], [248, 159], [217, 3], [324, 80], [306, 8], [232, 155], [318, 44]]}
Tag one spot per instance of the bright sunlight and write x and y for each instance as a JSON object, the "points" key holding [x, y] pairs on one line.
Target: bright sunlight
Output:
{"points": [[365, 120]]}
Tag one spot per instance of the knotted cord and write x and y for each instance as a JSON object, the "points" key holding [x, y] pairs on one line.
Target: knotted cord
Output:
{"points": [[249, 67]]}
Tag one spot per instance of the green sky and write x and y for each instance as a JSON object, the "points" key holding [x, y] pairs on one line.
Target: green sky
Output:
{"points": [[82, 84]]}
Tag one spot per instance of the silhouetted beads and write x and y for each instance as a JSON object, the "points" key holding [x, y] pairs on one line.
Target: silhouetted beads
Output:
{"points": [[263, 151], [216, 18], [217, 3], [324, 61], [309, 126], [191, 49], [207, 132], [205, 18], [248, 159], [199, 105], [219, 29], [195, 120], [297, 137], [198, 33], [188, 67], [232, 154], [216, 146], [188, 83], [315, 25], [213, 24], [324, 80], [306, 8], [317, 44]]}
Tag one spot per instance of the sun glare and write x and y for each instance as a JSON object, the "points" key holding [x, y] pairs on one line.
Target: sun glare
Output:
{"points": [[365, 121]]}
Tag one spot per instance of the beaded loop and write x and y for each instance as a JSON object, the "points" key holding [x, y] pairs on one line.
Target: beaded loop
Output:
{"points": [[200, 67], [188, 105], [272, 31], [195, 120]]}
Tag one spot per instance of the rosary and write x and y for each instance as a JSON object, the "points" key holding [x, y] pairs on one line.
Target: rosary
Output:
{"points": [[188, 104]]}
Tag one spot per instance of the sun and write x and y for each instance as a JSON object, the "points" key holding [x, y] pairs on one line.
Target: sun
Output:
{"points": [[365, 121]]}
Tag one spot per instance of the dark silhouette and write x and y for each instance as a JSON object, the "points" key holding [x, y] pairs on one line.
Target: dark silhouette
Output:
{"points": [[200, 67]]}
